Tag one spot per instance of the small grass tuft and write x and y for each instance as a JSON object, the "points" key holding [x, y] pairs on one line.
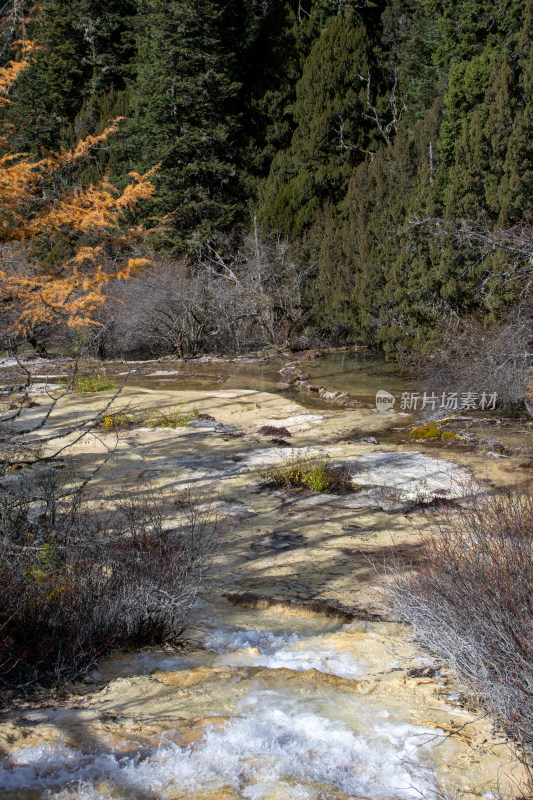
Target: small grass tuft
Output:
{"points": [[430, 431], [93, 383], [448, 435], [317, 476], [173, 419], [117, 421]]}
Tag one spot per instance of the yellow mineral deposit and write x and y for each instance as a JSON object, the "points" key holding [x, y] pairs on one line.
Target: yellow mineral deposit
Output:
{"points": [[291, 686]]}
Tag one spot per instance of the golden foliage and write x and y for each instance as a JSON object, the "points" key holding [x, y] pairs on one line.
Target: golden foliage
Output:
{"points": [[32, 211], [85, 145], [9, 74]]}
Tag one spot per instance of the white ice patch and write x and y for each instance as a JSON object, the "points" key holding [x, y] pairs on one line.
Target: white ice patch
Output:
{"points": [[44, 388], [31, 364], [412, 474], [276, 455], [272, 750]]}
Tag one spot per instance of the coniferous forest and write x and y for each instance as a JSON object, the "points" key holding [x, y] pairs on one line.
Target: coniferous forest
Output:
{"points": [[383, 149]]}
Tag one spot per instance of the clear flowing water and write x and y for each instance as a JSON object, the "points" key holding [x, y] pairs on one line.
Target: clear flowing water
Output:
{"points": [[360, 374], [229, 635], [357, 372], [278, 747]]}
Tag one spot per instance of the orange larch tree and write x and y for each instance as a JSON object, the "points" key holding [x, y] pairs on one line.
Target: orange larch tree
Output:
{"points": [[90, 220]]}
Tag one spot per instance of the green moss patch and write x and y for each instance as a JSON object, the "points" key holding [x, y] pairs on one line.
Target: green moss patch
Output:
{"points": [[430, 431]]}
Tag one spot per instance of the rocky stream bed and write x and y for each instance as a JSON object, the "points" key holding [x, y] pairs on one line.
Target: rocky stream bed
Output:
{"points": [[293, 682]]}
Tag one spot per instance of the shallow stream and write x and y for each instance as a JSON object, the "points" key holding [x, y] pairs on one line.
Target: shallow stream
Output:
{"points": [[263, 703], [357, 372], [275, 713]]}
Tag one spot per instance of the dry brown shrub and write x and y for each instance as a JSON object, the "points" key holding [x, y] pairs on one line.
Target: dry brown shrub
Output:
{"points": [[76, 585], [272, 430], [470, 600], [472, 357]]}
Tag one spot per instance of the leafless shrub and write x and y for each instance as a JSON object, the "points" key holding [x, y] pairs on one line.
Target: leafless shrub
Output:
{"points": [[162, 310], [266, 289], [470, 600], [76, 584], [221, 303], [472, 357], [75, 581]]}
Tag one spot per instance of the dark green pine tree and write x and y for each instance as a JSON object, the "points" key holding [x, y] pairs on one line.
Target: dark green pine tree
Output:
{"points": [[517, 184], [476, 36], [470, 26], [273, 67], [332, 128], [184, 113], [395, 291], [409, 39], [467, 158], [84, 47], [489, 178]]}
